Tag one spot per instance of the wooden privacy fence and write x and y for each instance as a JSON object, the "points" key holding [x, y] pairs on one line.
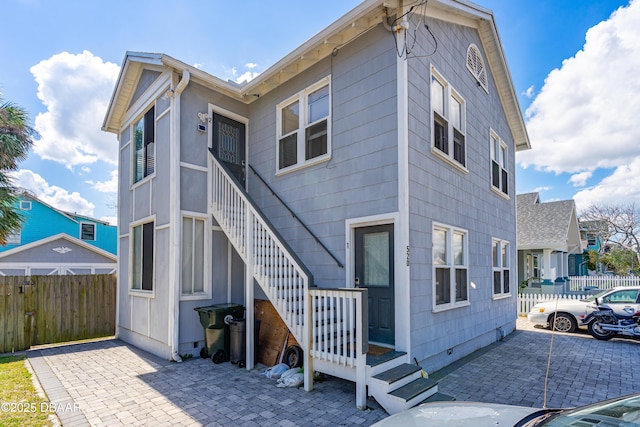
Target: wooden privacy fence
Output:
{"points": [[49, 309]]}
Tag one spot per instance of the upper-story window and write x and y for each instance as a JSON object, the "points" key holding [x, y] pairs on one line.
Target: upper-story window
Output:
{"points": [[87, 231], [450, 263], [449, 120], [25, 205], [144, 139], [304, 127], [499, 174]]}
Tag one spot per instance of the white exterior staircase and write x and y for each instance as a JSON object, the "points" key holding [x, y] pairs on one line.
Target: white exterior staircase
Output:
{"points": [[330, 325]]}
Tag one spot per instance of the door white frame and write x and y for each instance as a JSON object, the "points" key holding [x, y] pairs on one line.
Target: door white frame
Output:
{"points": [[401, 286]]}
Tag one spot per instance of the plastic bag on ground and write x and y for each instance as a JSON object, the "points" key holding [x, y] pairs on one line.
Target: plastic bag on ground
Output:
{"points": [[276, 371], [291, 378]]}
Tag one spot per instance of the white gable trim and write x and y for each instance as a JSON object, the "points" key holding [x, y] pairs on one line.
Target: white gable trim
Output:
{"points": [[50, 239]]}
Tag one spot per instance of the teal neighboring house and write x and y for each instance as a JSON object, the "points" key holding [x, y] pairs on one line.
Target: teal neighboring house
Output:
{"points": [[52, 242]]}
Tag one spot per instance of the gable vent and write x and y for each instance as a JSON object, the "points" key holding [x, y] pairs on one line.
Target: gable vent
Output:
{"points": [[475, 64]]}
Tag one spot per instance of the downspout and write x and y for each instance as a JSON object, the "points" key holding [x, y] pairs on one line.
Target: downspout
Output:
{"points": [[174, 217]]}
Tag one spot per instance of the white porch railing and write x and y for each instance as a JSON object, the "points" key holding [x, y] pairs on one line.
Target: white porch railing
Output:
{"points": [[527, 301], [579, 283], [340, 331]]}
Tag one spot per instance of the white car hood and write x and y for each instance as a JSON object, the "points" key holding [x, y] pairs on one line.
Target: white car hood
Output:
{"points": [[458, 414]]}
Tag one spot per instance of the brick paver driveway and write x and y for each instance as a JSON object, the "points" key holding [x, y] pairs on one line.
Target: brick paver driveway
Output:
{"points": [[109, 383]]}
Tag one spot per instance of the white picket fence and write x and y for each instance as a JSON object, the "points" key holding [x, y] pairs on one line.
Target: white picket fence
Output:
{"points": [[526, 301], [579, 283]]}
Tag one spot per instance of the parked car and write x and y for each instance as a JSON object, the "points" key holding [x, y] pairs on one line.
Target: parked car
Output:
{"points": [[571, 313], [621, 411]]}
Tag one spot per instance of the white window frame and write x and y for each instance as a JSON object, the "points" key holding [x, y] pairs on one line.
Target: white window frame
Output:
{"points": [[206, 288], [134, 155], [475, 65], [501, 262], [25, 205], [499, 157], [449, 94], [450, 264], [139, 291], [302, 98], [82, 224]]}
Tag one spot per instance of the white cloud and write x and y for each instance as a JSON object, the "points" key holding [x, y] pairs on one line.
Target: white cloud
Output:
{"points": [[585, 116], [580, 179], [618, 188], [110, 186], [76, 90], [529, 92], [112, 220], [52, 195], [541, 189], [247, 76]]}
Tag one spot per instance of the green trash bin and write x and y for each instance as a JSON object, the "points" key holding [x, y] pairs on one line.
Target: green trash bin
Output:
{"points": [[216, 332]]}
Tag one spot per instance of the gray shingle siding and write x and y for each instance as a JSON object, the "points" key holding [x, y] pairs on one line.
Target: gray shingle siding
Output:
{"points": [[361, 177], [441, 193]]}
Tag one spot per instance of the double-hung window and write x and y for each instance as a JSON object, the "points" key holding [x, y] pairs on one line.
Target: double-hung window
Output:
{"points": [[304, 127], [144, 140], [142, 237], [448, 113], [501, 267], [450, 262], [193, 254], [499, 174]]}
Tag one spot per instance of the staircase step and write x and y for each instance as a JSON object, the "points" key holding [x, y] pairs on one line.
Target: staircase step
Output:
{"points": [[378, 360], [398, 373], [414, 389]]}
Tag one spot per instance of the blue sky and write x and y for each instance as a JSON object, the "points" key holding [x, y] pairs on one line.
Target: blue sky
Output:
{"points": [[578, 92]]}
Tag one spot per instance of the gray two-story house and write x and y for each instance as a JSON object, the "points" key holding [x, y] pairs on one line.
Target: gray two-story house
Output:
{"points": [[364, 184]]}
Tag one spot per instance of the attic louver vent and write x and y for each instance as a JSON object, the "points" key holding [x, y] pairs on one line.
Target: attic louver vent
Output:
{"points": [[475, 64]]}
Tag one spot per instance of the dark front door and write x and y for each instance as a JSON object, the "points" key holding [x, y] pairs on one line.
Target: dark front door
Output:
{"points": [[374, 271], [228, 145]]}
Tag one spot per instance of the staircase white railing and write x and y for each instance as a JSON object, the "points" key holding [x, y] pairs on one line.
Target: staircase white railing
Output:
{"points": [[275, 267], [331, 325], [339, 332]]}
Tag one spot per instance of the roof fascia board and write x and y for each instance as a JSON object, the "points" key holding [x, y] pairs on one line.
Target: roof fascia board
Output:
{"points": [[161, 83], [131, 60], [500, 70], [60, 212], [363, 9], [197, 75]]}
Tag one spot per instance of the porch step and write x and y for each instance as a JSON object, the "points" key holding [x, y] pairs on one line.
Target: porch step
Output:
{"points": [[401, 387]]}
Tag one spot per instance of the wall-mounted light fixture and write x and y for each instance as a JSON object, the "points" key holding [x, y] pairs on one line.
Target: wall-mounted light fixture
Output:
{"points": [[204, 118]]}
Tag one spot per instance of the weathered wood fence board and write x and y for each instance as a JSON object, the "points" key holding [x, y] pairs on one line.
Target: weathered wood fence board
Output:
{"points": [[48, 309]]}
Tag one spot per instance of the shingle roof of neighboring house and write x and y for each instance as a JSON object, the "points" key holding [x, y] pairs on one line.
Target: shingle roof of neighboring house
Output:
{"points": [[550, 225]]}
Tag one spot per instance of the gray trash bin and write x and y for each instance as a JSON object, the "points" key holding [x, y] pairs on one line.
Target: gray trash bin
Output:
{"points": [[238, 332]]}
